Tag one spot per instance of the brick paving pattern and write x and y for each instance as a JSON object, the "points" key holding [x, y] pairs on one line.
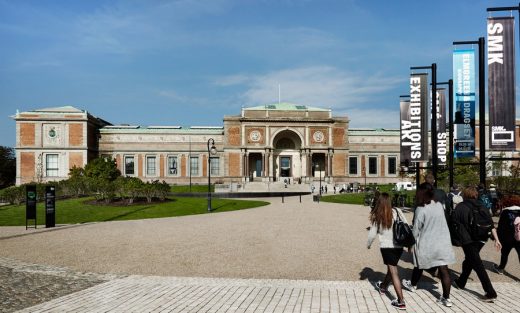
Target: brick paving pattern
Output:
{"points": [[174, 294]]}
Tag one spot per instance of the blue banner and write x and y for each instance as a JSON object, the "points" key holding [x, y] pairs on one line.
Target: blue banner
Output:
{"points": [[464, 98]]}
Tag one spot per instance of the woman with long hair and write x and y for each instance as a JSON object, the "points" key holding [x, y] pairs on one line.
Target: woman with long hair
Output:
{"points": [[382, 219], [432, 248]]}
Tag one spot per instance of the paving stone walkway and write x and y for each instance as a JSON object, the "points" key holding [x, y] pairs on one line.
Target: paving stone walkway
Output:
{"points": [[174, 294]]}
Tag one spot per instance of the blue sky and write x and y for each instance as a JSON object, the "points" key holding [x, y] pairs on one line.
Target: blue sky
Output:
{"points": [[190, 62]]}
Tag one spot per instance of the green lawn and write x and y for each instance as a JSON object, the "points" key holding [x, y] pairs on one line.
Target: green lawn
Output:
{"points": [[73, 211], [350, 198], [194, 188]]}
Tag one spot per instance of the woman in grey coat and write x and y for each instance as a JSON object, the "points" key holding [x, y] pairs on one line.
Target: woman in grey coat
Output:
{"points": [[433, 244]]}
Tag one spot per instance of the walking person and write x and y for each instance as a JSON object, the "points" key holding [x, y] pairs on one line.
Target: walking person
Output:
{"points": [[432, 248], [382, 219], [464, 216], [506, 232]]}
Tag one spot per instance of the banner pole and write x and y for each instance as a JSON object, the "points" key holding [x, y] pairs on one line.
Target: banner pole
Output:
{"points": [[434, 124], [482, 109], [450, 122]]}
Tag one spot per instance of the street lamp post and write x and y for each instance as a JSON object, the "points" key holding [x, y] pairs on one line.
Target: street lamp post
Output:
{"points": [[317, 166], [211, 151]]}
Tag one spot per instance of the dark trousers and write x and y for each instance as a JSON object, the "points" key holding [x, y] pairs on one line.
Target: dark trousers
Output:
{"points": [[473, 262], [507, 246]]}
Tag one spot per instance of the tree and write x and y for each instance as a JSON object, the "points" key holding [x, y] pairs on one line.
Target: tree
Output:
{"points": [[103, 168], [7, 167]]}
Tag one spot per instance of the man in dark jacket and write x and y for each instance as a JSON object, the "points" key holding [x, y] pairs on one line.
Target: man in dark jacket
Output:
{"points": [[462, 217]]}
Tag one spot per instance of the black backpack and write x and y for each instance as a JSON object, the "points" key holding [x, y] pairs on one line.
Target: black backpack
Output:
{"points": [[453, 227], [481, 223]]}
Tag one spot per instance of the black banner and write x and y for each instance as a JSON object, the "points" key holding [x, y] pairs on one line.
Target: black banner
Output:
{"points": [[501, 82], [50, 206], [441, 126], [414, 131], [406, 151]]}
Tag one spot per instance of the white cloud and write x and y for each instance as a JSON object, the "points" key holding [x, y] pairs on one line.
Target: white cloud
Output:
{"points": [[372, 118], [316, 86]]}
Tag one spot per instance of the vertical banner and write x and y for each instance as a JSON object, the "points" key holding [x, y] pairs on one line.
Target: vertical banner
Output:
{"points": [[464, 96], [501, 82], [406, 156], [441, 127], [414, 131]]}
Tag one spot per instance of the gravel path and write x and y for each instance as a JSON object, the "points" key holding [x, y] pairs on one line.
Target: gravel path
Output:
{"points": [[291, 240]]}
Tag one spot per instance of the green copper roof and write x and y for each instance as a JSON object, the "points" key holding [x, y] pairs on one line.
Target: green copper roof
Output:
{"points": [[286, 106]]}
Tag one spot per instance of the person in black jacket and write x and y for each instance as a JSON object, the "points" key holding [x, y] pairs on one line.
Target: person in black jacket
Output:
{"points": [[462, 216], [506, 232]]}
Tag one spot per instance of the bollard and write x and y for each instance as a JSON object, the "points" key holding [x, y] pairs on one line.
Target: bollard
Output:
{"points": [[282, 199], [300, 198]]}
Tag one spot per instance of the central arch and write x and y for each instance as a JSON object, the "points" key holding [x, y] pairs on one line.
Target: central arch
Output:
{"points": [[287, 161]]}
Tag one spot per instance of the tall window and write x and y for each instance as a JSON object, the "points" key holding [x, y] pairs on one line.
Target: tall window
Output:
{"points": [[194, 165], [129, 165], [372, 165], [352, 166], [150, 166], [214, 166], [51, 165], [172, 165], [392, 165]]}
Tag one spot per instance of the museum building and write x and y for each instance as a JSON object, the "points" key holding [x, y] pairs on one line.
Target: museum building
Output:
{"points": [[263, 144]]}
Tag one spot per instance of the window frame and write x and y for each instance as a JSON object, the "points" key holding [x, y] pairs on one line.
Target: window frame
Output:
{"points": [[369, 172], [134, 167], [216, 161], [148, 157], [47, 168], [395, 165], [191, 167], [177, 169], [349, 165]]}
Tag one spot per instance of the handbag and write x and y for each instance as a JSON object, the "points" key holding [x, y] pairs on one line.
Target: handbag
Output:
{"points": [[403, 235]]}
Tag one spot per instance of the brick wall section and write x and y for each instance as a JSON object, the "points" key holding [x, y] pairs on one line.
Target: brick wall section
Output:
{"points": [[139, 165], [382, 173], [119, 163], [338, 137], [234, 164], [27, 134], [234, 136], [261, 130], [204, 165], [338, 164], [183, 166], [325, 132], [161, 166], [75, 134], [27, 166], [76, 159], [363, 165]]}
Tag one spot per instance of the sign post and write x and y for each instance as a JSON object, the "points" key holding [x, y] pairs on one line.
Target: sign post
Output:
{"points": [[50, 206], [30, 205]]}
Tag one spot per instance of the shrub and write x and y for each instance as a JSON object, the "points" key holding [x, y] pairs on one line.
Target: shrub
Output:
{"points": [[13, 194]]}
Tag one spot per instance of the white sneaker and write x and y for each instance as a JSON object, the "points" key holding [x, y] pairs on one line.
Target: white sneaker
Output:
{"points": [[445, 301], [407, 284]]}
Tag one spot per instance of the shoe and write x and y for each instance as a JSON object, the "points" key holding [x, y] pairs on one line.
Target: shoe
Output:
{"points": [[498, 270], [379, 288], [398, 305], [408, 285], [445, 301], [489, 298]]}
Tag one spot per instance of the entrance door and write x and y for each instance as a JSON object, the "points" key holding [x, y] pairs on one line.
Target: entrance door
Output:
{"points": [[285, 166], [258, 168]]}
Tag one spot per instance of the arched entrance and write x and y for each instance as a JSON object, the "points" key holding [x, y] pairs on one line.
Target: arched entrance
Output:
{"points": [[287, 158]]}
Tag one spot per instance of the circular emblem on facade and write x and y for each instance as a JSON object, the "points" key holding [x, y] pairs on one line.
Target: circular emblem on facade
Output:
{"points": [[318, 136], [255, 136], [52, 133]]}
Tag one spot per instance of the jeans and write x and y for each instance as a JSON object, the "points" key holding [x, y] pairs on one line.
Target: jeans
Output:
{"points": [[471, 262]]}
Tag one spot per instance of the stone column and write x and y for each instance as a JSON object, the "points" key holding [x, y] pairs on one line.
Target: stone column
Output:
{"points": [[263, 164]]}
